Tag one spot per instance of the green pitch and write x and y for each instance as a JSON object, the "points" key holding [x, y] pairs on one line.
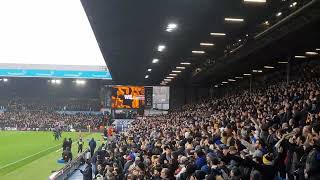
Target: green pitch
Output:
{"points": [[34, 155]]}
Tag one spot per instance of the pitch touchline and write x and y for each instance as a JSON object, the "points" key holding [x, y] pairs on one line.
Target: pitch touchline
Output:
{"points": [[27, 157]]}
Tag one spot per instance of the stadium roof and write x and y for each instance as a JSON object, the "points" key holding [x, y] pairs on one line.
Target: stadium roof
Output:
{"points": [[199, 42]]}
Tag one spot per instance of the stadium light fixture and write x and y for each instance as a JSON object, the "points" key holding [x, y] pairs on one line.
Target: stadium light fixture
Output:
{"points": [[255, 1], [161, 48], [169, 77], [282, 62], [176, 71], [216, 86], [266, 23], [224, 82], [185, 63], [238, 77], [311, 53], [173, 74], [149, 70], [80, 82], [247, 74], [231, 80], [300, 57], [171, 27], [180, 67], [268, 67], [294, 4], [233, 19], [257, 71], [55, 81], [318, 49], [206, 44], [198, 52], [279, 14], [167, 80], [155, 61], [217, 34], [5, 80], [146, 77], [58, 81]]}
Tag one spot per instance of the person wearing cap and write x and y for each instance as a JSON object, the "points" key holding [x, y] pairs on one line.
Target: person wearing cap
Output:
{"points": [[268, 167]]}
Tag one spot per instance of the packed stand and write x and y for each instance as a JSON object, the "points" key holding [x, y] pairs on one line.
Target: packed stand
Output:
{"points": [[41, 120], [57, 104], [268, 133]]}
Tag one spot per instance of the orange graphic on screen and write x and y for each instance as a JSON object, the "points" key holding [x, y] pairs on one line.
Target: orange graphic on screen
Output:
{"points": [[127, 97]]}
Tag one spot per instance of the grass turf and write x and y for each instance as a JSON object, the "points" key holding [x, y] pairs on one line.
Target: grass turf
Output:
{"points": [[33, 155]]}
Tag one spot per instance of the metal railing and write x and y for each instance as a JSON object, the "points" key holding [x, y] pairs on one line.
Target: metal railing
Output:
{"points": [[68, 169]]}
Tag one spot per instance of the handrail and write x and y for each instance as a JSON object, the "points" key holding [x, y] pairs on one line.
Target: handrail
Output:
{"points": [[286, 18]]}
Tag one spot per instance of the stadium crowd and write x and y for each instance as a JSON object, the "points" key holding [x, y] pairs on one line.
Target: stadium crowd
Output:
{"points": [[43, 120], [269, 133], [43, 104]]}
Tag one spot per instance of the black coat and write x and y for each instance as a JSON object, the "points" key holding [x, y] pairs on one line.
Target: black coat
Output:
{"points": [[87, 173]]}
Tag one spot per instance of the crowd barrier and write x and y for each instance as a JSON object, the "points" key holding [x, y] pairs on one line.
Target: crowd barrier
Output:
{"points": [[68, 169]]}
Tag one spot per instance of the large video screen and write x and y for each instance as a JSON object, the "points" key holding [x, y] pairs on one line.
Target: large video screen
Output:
{"points": [[128, 97], [161, 97], [48, 38]]}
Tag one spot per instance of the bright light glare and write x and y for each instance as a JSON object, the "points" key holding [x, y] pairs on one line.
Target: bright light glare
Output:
{"points": [[198, 52], [173, 74], [268, 67], [185, 63], [238, 77], [147, 76], [231, 80], [80, 82], [56, 81], [300, 57], [175, 71], [294, 4], [171, 27], [256, 1], [217, 34], [247, 74], [149, 70], [282, 62], [224, 82], [311, 53], [155, 61], [206, 44], [234, 19], [47, 32], [161, 48], [279, 14], [180, 67], [5, 80]]}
